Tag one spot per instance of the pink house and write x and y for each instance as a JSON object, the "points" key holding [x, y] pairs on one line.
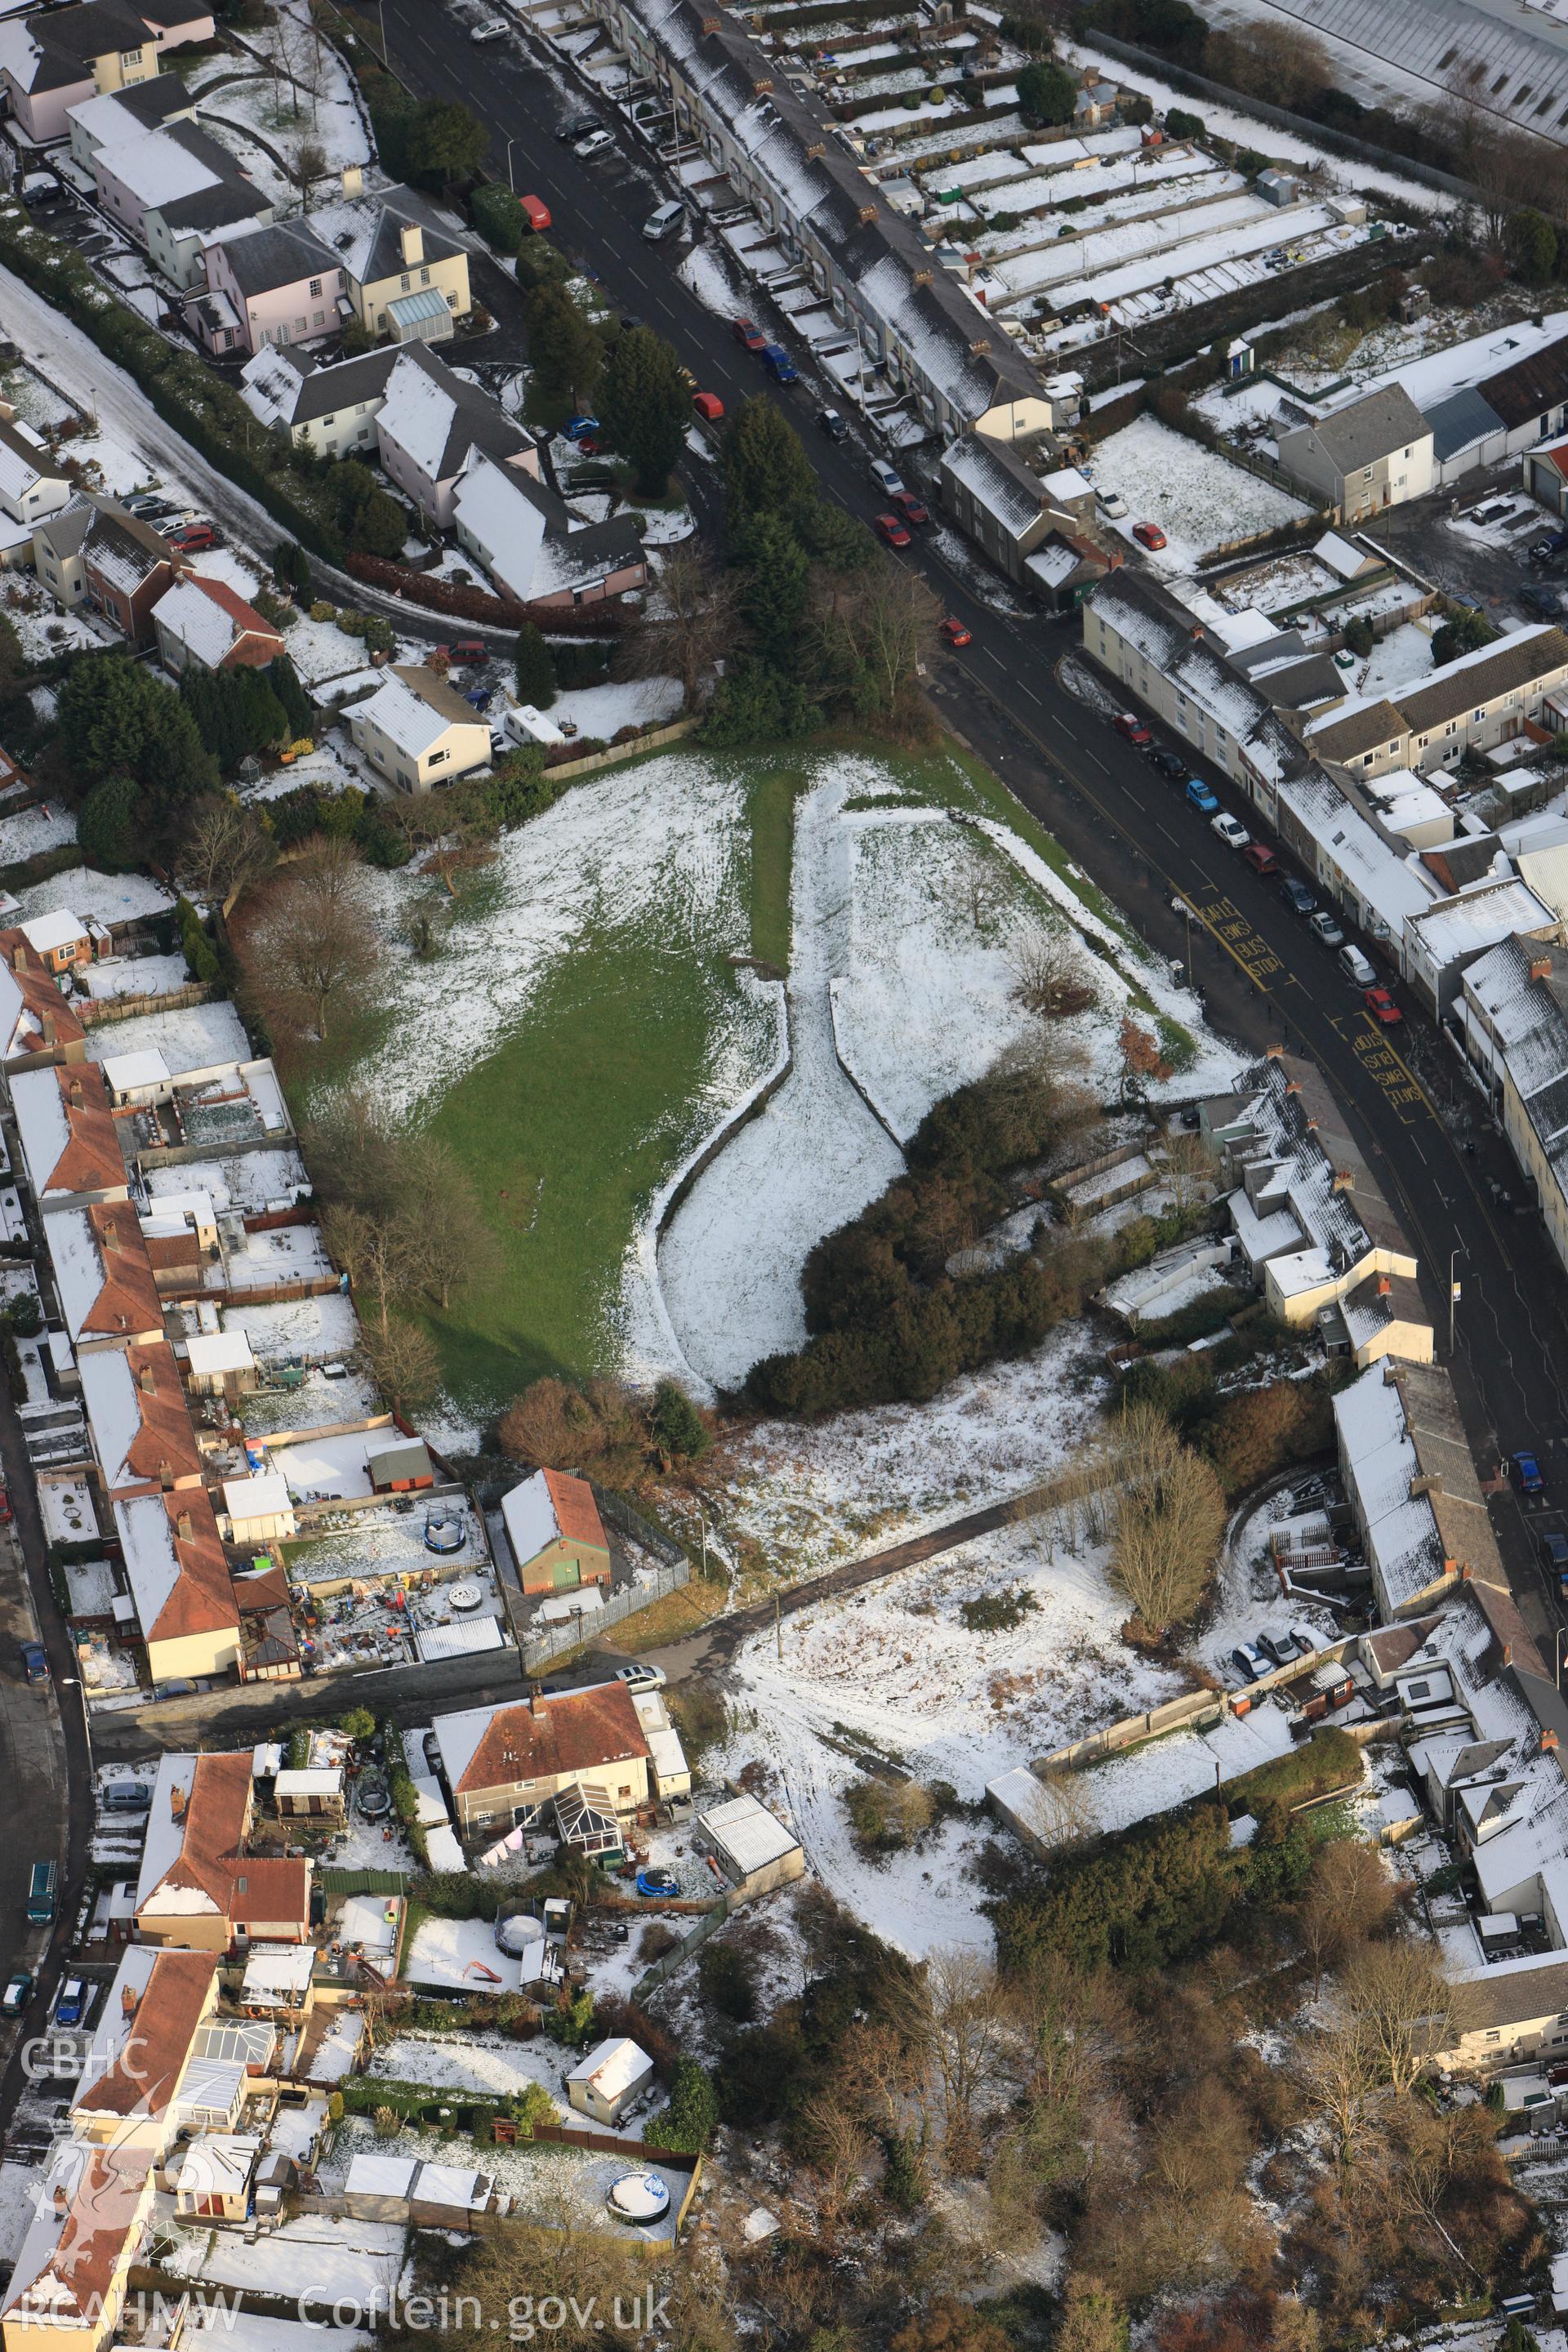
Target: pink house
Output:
{"points": [[54, 59], [279, 285]]}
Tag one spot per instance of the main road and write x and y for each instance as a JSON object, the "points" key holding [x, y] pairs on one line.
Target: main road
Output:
{"points": [[1264, 977]]}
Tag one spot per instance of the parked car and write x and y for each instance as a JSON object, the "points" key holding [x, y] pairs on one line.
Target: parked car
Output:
{"points": [[580, 428], [666, 222], [1543, 550], [1297, 896], [887, 478], [1527, 1470], [1305, 1641], [1323, 926], [641, 1677], [74, 2000], [1128, 723], [914, 510], [747, 333], [1233, 834], [576, 126], [597, 142], [536, 212], [1248, 1662], [657, 1882], [828, 421], [1168, 763], [192, 536], [470, 649], [1278, 1647], [1200, 797], [779, 364], [1261, 858], [1357, 968], [494, 28], [162, 510], [18, 1992], [1545, 603], [955, 633], [1554, 1554], [708, 408], [4, 1505], [35, 1665], [1150, 535], [1111, 503], [893, 530], [1382, 1006]]}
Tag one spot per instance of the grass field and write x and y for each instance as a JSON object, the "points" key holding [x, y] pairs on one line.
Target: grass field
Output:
{"points": [[589, 1021]]}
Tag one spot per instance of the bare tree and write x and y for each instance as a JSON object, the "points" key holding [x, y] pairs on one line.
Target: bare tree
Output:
{"points": [[1349, 1896], [967, 2027], [1170, 1516], [1279, 62], [1339, 2071], [317, 950], [686, 626], [458, 1250], [1401, 2001], [1049, 975], [1055, 1809], [403, 1361], [296, 64], [895, 630], [380, 1255], [839, 2147], [226, 848], [1190, 1166]]}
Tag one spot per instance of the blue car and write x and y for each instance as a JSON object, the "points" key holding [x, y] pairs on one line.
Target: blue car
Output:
{"points": [[779, 364], [1200, 797], [580, 428], [72, 2005], [1527, 1470]]}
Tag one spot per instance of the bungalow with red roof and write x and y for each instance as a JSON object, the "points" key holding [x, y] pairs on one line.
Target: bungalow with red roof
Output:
{"points": [[141, 1424], [556, 1535], [208, 622], [503, 1763], [107, 1293], [129, 2093], [179, 1580], [68, 2283], [198, 1887], [38, 1026], [71, 1145]]}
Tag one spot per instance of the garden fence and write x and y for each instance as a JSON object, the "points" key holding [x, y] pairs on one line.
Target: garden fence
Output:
{"points": [[553, 1641]]}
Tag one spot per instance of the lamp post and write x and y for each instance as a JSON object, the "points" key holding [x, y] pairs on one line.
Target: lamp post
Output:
{"points": [[511, 183]]}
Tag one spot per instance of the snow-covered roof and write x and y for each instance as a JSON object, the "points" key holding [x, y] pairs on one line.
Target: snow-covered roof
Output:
{"points": [[159, 167], [502, 517], [48, 934], [317, 1780], [24, 461], [364, 233], [369, 2175], [549, 1506], [207, 617], [126, 1074], [262, 1498], [1339, 554], [413, 716], [614, 2067], [746, 1834], [219, 2164], [1478, 918], [218, 1351]]}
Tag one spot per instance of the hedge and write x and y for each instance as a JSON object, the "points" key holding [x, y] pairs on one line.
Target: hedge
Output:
{"points": [[198, 405], [473, 603]]}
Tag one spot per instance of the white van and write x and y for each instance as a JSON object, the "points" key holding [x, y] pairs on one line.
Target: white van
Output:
{"points": [[1356, 967], [664, 223]]}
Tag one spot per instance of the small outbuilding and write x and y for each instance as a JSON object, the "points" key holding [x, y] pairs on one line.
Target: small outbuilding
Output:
{"points": [[258, 1509], [752, 1846], [220, 1363], [212, 2183], [612, 2075], [315, 1795], [277, 1981], [556, 1535], [399, 1467]]}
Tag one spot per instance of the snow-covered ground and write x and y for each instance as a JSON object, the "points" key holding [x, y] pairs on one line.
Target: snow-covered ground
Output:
{"points": [[189, 1037], [450, 2062], [47, 826], [93, 896], [1399, 659], [1201, 501], [317, 2256], [730, 1266]]}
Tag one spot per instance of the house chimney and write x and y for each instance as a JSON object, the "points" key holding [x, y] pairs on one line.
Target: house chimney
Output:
{"points": [[145, 1382], [353, 180], [177, 1802], [411, 243], [129, 1997], [1548, 1742], [167, 1477], [1274, 1053], [111, 1235], [1386, 1286], [1426, 1482], [49, 1028], [867, 214], [182, 1527], [1541, 968], [76, 1093], [1344, 1180]]}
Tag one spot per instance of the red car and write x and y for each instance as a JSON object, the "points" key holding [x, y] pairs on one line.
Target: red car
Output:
{"points": [[536, 212], [190, 536], [893, 529], [1128, 723], [1382, 1006], [955, 633], [1261, 860], [747, 331], [1149, 534], [708, 408], [470, 649], [913, 510]]}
